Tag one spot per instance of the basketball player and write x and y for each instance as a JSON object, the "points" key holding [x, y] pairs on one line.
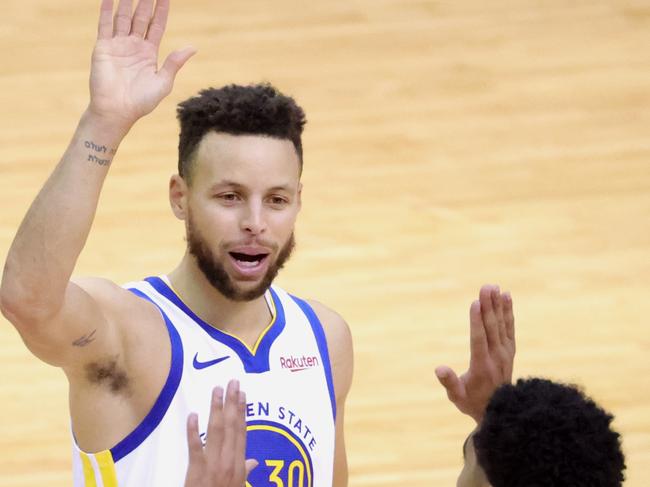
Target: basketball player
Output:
{"points": [[540, 432], [535, 432], [140, 358]]}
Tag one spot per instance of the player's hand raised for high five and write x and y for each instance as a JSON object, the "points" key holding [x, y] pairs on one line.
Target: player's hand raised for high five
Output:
{"points": [[221, 462], [492, 353], [125, 80]]}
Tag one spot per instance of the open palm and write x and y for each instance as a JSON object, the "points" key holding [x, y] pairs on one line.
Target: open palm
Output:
{"points": [[492, 353], [221, 462], [125, 81]]}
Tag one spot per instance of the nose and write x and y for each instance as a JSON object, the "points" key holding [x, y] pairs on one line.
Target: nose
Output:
{"points": [[253, 221]]}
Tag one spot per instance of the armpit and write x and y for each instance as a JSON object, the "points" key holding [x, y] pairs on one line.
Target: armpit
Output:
{"points": [[108, 373]]}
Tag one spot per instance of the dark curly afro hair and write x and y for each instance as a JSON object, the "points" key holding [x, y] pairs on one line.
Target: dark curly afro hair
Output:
{"points": [[541, 433], [258, 109]]}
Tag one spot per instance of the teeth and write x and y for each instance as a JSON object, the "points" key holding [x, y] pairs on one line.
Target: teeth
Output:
{"points": [[244, 263]]}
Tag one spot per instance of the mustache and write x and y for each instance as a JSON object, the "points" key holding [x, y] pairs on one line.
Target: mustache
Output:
{"points": [[254, 242]]}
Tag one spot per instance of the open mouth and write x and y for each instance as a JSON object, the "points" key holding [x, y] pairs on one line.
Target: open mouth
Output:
{"points": [[248, 260]]}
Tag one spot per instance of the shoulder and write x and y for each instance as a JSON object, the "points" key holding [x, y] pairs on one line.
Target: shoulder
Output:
{"points": [[339, 344], [336, 328], [114, 299]]}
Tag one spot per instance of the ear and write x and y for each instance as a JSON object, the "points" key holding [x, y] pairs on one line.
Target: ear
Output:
{"points": [[178, 196], [299, 196]]}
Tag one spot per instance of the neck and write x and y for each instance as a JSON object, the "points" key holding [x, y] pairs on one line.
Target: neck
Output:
{"points": [[244, 319]]}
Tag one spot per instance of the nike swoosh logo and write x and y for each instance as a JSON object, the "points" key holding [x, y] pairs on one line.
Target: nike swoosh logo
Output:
{"points": [[202, 365]]}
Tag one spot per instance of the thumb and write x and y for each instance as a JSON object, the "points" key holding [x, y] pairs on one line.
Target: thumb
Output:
{"points": [[175, 61], [450, 381], [250, 465]]}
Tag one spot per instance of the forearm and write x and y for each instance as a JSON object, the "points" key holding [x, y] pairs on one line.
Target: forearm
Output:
{"points": [[126, 83], [54, 231]]}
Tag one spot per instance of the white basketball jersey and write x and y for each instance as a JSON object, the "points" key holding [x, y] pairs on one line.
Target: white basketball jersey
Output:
{"points": [[287, 378]]}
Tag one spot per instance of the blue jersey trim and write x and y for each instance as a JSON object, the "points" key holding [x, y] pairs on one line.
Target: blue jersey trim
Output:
{"points": [[274, 424], [319, 334], [256, 363], [160, 407]]}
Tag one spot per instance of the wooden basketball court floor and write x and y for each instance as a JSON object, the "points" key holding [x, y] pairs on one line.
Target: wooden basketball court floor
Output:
{"points": [[449, 144]]}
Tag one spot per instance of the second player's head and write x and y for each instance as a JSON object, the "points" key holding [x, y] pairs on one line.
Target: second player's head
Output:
{"points": [[541, 433], [238, 188]]}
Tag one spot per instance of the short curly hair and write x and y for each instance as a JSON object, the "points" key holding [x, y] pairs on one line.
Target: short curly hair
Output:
{"points": [[542, 433], [258, 109]]}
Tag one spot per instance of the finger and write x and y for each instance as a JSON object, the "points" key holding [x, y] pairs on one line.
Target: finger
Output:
{"points": [[508, 316], [174, 63], [450, 381], [141, 18], [214, 440], [194, 444], [105, 27], [251, 463], [158, 22], [196, 460], [497, 305], [122, 22], [478, 340], [240, 439], [232, 424], [489, 317]]}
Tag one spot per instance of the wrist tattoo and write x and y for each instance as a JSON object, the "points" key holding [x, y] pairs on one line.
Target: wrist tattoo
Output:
{"points": [[84, 340], [99, 149]]}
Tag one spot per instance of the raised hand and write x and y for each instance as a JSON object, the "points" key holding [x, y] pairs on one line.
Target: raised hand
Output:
{"points": [[125, 82], [492, 353], [221, 463]]}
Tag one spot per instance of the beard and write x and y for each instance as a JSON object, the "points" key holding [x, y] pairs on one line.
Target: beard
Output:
{"points": [[215, 272]]}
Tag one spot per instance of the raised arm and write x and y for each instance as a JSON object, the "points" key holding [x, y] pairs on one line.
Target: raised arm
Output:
{"points": [[37, 295], [492, 353]]}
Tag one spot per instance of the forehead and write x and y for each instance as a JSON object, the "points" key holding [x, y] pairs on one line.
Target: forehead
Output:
{"points": [[239, 158]]}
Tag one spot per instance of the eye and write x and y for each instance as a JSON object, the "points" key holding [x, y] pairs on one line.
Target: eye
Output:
{"points": [[278, 201], [228, 197]]}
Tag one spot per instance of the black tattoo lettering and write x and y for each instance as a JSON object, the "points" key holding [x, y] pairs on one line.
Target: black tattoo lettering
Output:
{"points": [[99, 149], [101, 162], [84, 340]]}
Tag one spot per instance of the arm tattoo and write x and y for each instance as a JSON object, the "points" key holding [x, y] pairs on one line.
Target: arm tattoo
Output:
{"points": [[84, 340], [99, 149]]}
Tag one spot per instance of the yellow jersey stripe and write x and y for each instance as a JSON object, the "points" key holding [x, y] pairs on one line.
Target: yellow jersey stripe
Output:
{"points": [[89, 473], [107, 468], [274, 315]]}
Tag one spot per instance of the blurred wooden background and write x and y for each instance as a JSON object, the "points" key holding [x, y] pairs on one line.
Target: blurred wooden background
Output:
{"points": [[449, 144]]}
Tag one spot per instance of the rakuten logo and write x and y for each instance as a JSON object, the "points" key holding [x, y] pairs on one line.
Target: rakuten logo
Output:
{"points": [[296, 364]]}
